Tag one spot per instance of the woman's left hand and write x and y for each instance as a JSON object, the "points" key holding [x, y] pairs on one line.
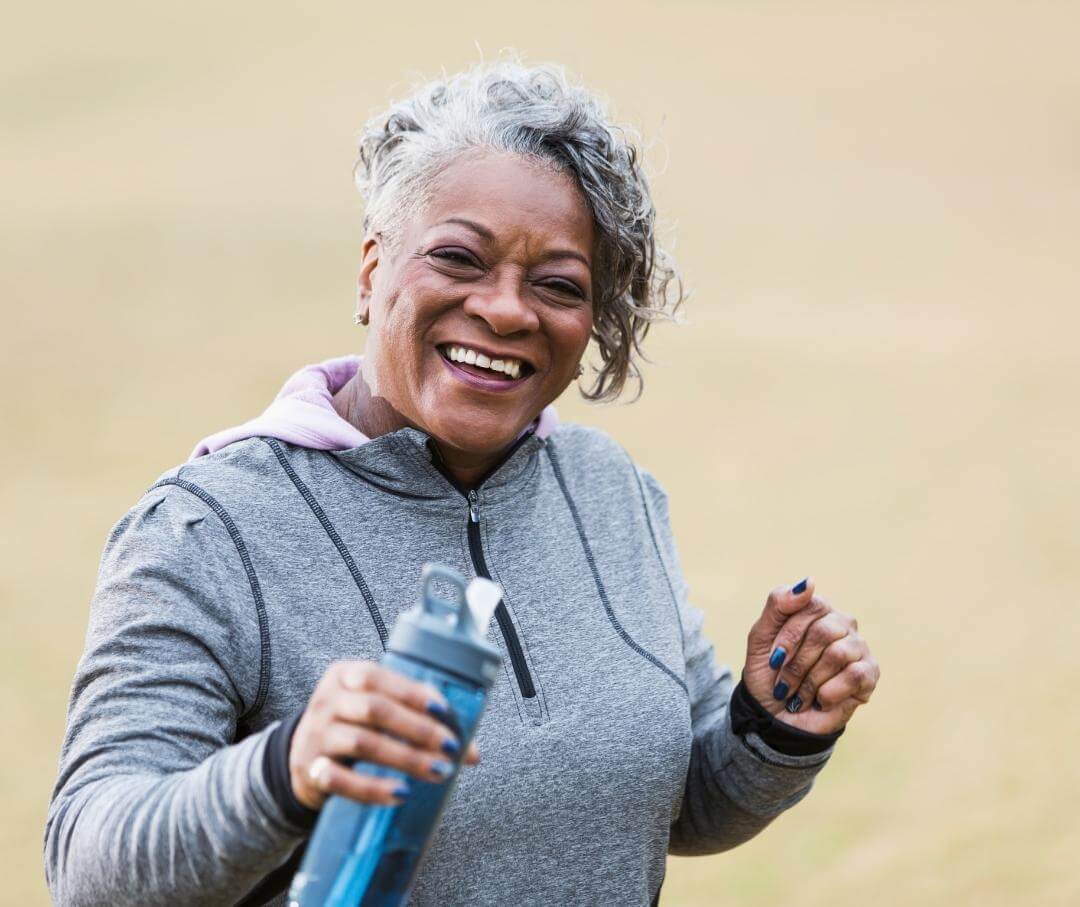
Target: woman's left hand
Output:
{"points": [[806, 663]]}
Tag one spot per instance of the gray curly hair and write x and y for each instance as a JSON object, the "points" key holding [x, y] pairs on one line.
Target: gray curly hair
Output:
{"points": [[534, 111]]}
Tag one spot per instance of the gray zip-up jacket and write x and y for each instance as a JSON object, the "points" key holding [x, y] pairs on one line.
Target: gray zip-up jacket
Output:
{"points": [[228, 589]]}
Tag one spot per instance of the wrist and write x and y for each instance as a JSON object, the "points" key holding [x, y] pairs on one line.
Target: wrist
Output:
{"points": [[748, 716], [278, 776]]}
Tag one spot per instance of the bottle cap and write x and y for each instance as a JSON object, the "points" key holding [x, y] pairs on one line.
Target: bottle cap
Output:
{"points": [[449, 634]]}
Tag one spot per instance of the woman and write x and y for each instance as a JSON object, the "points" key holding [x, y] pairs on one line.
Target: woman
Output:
{"points": [[242, 606]]}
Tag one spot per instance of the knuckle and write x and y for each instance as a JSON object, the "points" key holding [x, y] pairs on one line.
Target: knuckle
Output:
{"points": [[362, 710], [821, 633], [363, 743], [835, 659], [859, 672], [365, 674], [794, 669]]}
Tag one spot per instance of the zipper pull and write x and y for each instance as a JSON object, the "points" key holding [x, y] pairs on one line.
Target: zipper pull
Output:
{"points": [[474, 507]]}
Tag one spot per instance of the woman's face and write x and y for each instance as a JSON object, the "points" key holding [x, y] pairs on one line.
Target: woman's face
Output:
{"points": [[497, 268]]}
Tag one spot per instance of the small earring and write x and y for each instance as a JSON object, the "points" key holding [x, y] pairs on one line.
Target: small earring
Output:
{"points": [[359, 319], [580, 370]]}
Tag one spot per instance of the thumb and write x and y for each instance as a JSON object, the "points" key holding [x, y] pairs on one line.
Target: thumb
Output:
{"points": [[779, 606]]}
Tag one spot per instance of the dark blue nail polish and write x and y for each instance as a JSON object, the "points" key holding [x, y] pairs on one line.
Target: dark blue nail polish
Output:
{"points": [[800, 587], [816, 705], [780, 690], [451, 747], [402, 791], [794, 704], [442, 768], [437, 709], [777, 657]]}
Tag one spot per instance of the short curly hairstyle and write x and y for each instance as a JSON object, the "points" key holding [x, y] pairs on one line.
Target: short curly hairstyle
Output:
{"points": [[534, 111]]}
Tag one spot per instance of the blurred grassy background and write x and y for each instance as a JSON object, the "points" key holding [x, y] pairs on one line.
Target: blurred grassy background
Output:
{"points": [[877, 206]]}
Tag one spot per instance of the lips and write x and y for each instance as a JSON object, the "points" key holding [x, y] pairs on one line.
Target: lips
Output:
{"points": [[481, 378], [483, 361]]}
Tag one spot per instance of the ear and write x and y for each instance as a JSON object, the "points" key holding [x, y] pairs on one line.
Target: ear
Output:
{"points": [[369, 261]]}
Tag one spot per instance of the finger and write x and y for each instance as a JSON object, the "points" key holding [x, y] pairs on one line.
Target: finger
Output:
{"points": [[834, 658], [785, 642], [350, 741], [817, 635], [472, 754], [857, 681], [779, 606], [330, 777], [376, 710], [368, 677]]}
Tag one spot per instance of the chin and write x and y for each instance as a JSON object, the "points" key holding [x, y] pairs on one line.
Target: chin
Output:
{"points": [[484, 437]]}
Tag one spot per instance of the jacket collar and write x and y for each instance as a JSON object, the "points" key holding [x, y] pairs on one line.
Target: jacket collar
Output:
{"points": [[406, 462]]}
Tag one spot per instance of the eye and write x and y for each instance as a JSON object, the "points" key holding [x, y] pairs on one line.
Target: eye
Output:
{"points": [[452, 255], [564, 287]]}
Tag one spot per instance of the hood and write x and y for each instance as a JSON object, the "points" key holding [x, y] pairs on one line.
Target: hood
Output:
{"points": [[302, 413]]}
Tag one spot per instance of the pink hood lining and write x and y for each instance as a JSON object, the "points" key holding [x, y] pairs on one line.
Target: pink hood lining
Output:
{"points": [[303, 413]]}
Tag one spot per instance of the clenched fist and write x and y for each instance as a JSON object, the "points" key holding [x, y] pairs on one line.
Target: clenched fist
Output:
{"points": [[806, 663]]}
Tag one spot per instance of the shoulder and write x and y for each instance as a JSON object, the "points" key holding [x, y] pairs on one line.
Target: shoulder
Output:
{"points": [[577, 445], [590, 456], [192, 504]]}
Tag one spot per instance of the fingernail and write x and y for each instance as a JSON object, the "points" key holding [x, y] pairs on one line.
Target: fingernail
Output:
{"points": [[780, 690], [816, 705], [794, 704], [441, 768], [402, 791], [437, 709], [800, 587], [777, 657], [451, 747]]}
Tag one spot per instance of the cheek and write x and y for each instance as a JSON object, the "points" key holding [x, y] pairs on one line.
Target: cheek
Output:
{"points": [[571, 335]]}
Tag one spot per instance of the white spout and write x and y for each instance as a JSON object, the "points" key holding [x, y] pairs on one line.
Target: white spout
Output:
{"points": [[482, 597]]}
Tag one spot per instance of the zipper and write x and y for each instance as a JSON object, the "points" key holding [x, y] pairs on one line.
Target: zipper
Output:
{"points": [[502, 615]]}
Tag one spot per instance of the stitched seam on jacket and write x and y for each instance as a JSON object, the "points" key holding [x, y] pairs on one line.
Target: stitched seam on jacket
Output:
{"points": [[253, 581], [660, 556], [626, 638], [328, 527]]}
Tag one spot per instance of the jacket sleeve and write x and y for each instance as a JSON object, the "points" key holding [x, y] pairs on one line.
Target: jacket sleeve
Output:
{"points": [[735, 785], [155, 803]]}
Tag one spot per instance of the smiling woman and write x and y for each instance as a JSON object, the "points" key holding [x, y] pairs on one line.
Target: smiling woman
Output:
{"points": [[231, 678], [498, 264]]}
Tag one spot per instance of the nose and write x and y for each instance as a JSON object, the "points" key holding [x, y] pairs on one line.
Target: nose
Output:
{"points": [[504, 309]]}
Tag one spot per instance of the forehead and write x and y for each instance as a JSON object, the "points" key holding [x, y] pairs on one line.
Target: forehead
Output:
{"points": [[514, 197]]}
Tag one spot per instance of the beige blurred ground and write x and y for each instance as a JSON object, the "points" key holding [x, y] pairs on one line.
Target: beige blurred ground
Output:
{"points": [[877, 205]]}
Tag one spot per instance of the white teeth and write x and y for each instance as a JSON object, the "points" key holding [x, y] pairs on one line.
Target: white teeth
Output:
{"points": [[509, 367]]}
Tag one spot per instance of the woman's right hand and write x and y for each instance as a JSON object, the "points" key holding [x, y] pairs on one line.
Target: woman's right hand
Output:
{"points": [[363, 711]]}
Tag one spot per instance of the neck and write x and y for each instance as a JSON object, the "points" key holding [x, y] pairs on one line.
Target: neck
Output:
{"points": [[374, 416]]}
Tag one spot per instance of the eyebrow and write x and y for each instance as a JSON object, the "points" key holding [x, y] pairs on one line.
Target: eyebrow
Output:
{"points": [[483, 231]]}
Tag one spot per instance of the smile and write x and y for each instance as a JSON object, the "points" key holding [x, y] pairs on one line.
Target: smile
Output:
{"points": [[465, 355], [481, 371]]}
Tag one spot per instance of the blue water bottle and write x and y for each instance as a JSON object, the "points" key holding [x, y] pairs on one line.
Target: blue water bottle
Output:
{"points": [[368, 854]]}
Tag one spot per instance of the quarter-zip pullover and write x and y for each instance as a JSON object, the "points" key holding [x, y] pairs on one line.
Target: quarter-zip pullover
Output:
{"points": [[227, 590]]}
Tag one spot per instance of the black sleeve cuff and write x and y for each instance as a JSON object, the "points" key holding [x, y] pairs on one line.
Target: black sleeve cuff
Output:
{"points": [[748, 716], [275, 767]]}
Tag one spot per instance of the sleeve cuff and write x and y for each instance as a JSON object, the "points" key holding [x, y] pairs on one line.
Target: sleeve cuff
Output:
{"points": [[748, 716], [275, 768]]}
